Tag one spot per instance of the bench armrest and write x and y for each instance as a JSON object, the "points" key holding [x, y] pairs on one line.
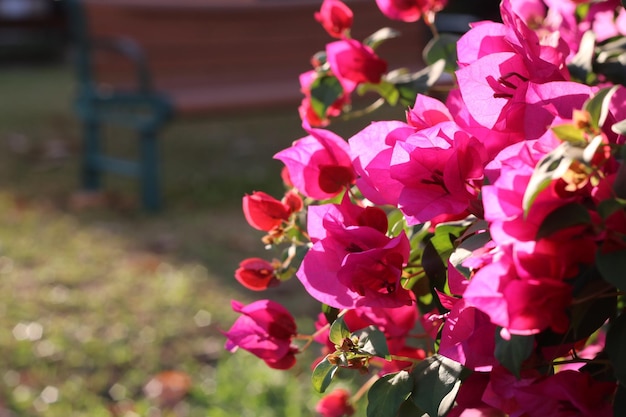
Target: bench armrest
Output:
{"points": [[128, 48]]}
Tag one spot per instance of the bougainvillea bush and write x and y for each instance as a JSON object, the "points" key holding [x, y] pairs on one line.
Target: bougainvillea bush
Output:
{"points": [[471, 259]]}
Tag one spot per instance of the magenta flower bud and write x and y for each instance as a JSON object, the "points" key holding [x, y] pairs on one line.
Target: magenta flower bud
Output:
{"points": [[335, 17], [265, 329]]}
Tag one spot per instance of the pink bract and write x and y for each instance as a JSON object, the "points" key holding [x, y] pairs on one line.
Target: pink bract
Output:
{"points": [[394, 322], [352, 263], [354, 63], [256, 274], [335, 404], [441, 170], [319, 165], [335, 17], [522, 306], [409, 10], [371, 150], [563, 394], [264, 212], [427, 112], [265, 329], [467, 337]]}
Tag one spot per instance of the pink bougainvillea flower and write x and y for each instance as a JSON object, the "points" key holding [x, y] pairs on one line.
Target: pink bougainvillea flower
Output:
{"points": [[617, 113], [354, 63], [522, 306], [265, 329], [335, 404], [469, 401], [352, 261], [441, 170], [551, 101], [497, 62], [559, 394], [409, 10], [371, 149], [427, 112], [319, 165], [503, 200], [564, 394], [467, 333], [395, 323], [335, 17], [467, 337], [493, 140], [293, 200], [264, 212], [256, 274], [603, 18]]}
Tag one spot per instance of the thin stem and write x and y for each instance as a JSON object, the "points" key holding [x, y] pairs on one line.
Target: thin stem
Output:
{"points": [[310, 338], [405, 359], [581, 360], [419, 336], [369, 109], [600, 294], [419, 272], [302, 232], [355, 198], [429, 19], [364, 388]]}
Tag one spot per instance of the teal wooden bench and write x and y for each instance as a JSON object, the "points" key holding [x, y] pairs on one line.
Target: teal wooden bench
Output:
{"points": [[141, 63]]}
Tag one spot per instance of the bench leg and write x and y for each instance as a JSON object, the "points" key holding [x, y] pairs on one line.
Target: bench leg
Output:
{"points": [[149, 170], [91, 151]]}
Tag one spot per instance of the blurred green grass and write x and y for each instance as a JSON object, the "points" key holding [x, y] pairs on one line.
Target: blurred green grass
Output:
{"points": [[96, 301]]}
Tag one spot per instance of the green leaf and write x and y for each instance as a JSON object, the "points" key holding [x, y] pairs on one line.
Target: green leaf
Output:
{"points": [[323, 375], [380, 36], [442, 47], [436, 382], [608, 207], [581, 66], [296, 254], [581, 11], [598, 106], [339, 331], [619, 403], [465, 249], [589, 315], [446, 235], [616, 347], [569, 215], [387, 394], [409, 409], [373, 342], [619, 127], [325, 90], [385, 89], [436, 271], [396, 222], [330, 313], [551, 166], [612, 267], [513, 352], [569, 133], [409, 85]]}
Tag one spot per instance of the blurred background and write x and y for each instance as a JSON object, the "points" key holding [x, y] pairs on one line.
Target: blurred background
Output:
{"points": [[106, 309]]}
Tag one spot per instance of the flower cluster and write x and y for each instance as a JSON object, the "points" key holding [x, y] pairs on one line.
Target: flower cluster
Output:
{"points": [[473, 254]]}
